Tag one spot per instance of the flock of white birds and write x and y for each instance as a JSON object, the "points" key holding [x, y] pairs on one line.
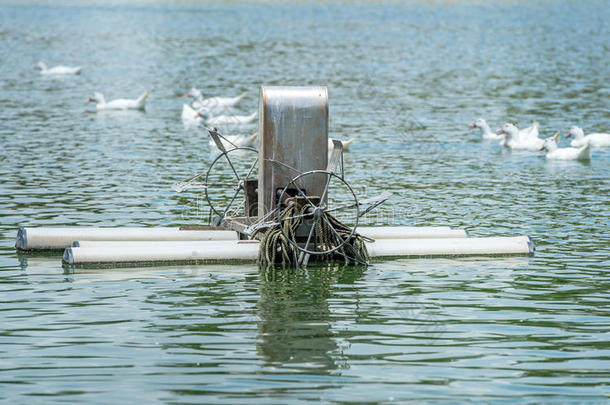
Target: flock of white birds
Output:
{"points": [[205, 111], [528, 139], [213, 112], [101, 103], [202, 112]]}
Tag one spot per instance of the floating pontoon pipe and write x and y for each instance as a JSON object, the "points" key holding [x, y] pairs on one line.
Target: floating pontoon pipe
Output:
{"points": [[61, 238], [451, 247], [175, 251], [410, 232], [142, 244], [172, 252]]}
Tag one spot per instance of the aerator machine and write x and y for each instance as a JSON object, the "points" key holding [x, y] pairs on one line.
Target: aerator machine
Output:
{"points": [[289, 203]]}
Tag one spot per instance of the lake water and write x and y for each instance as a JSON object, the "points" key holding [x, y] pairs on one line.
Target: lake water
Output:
{"points": [[404, 80]]}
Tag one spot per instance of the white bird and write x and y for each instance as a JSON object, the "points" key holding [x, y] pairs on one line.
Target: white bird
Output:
{"points": [[229, 119], [190, 116], [530, 132], [527, 135], [213, 103], [595, 140], [232, 141], [486, 132], [119, 104], [556, 153], [513, 139], [58, 70]]}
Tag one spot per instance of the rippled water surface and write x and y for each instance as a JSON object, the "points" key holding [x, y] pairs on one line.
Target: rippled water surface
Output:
{"points": [[403, 80]]}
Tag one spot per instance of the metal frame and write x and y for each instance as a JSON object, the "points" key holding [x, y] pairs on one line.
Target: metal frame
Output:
{"points": [[293, 131], [238, 186]]}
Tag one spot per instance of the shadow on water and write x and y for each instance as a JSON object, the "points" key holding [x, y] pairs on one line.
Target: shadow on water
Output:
{"points": [[295, 326]]}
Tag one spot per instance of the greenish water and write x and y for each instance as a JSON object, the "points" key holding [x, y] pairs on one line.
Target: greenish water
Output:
{"points": [[404, 81]]}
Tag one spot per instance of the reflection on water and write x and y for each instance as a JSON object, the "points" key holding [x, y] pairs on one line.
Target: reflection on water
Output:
{"points": [[295, 320], [404, 81]]}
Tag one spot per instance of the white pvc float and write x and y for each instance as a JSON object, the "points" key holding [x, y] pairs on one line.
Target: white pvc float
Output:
{"points": [[451, 247], [170, 252], [61, 238], [137, 244], [175, 251], [411, 232]]}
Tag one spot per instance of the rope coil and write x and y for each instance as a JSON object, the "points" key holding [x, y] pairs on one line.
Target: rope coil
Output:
{"points": [[277, 245]]}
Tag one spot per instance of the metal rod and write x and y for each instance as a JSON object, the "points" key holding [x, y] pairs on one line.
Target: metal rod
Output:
{"points": [[304, 195], [345, 242], [231, 164], [325, 189], [215, 137], [282, 165], [251, 168], [231, 203], [313, 227]]}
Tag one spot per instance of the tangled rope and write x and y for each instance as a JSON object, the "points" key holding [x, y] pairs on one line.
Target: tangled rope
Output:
{"points": [[276, 246]]}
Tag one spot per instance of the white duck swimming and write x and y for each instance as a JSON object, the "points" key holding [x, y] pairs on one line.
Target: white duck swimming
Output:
{"points": [[594, 140], [513, 139], [232, 141], [228, 119], [530, 132], [58, 70], [526, 135], [556, 153], [486, 132], [190, 116], [213, 103], [119, 104]]}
